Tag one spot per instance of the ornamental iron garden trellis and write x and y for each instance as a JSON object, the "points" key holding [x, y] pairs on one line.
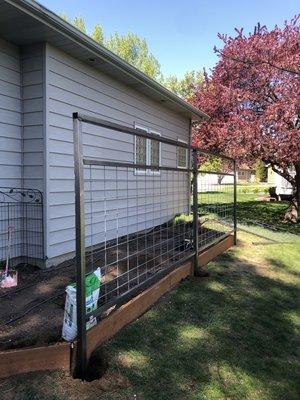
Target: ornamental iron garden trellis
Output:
{"points": [[137, 221], [21, 210]]}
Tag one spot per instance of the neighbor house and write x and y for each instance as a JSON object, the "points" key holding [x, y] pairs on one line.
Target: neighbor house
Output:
{"points": [[283, 187], [48, 71], [244, 175]]}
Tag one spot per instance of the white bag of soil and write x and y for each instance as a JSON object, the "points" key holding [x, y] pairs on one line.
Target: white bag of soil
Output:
{"points": [[92, 289]]}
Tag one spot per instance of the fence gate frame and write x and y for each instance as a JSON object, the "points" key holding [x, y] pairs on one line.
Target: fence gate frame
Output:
{"points": [[80, 259]]}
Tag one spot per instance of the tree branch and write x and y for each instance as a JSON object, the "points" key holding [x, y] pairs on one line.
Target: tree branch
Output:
{"points": [[251, 62]]}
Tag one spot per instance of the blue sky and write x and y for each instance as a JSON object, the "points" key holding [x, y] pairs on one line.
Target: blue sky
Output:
{"points": [[180, 33]]}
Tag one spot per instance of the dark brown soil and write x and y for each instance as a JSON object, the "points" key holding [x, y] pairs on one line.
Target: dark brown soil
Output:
{"points": [[32, 313], [42, 324]]}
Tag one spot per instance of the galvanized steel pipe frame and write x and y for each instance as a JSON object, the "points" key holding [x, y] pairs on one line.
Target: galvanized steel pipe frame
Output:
{"points": [[81, 358], [141, 133], [234, 203], [79, 162], [195, 210]]}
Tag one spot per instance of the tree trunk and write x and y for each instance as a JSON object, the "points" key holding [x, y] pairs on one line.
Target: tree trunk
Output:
{"points": [[220, 178], [292, 213]]}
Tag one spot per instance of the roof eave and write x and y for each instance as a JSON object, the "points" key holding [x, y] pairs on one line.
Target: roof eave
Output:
{"points": [[55, 22]]}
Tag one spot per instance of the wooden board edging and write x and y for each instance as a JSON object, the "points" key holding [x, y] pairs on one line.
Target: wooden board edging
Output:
{"points": [[214, 251], [137, 306], [134, 308], [58, 356], [47, 358]]}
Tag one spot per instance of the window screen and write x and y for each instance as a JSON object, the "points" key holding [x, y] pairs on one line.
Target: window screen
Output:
{"points": [[181, 157], [140, 150], [155, 153]]}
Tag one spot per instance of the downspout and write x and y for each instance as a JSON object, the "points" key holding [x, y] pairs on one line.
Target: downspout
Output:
{"points": [[22, 117], [23, 222], [189, 186], [45, 155]]}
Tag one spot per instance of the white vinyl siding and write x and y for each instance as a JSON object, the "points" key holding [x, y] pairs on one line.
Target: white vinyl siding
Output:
{"points": [[21, 130], [10, 138], [73, 86], [33, 116], [10, 115], [21, 116]]}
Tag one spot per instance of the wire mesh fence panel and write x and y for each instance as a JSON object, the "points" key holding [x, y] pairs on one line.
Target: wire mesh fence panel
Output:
{"points": [[136, 225], [215, 204], [21, 210], [138, 212]]}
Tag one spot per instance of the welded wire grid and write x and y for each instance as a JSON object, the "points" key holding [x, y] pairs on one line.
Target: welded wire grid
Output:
{"points": [[21, 211], [137, 224], [215, 206]]}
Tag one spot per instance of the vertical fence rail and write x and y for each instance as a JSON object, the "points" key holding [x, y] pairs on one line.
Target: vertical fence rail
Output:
{"points": [[80, 250], [135, 223], [195, 210], [234, 203]]}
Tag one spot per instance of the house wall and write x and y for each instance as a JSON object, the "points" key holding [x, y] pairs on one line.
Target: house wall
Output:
{"points": [[73, 86], [245, 175], [21, 145], [10, 115], [207, 182], [271, 176], [21, 116], [33, 102], [283, 187], [10, 142], [33, 116]]}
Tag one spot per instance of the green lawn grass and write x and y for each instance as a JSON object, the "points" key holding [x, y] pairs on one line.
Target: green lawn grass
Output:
{"points": [[250, 210], [234, 335]]}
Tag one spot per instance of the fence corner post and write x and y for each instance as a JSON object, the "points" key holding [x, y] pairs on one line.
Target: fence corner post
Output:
{"points": [[195, 211], [234, 204], [81, 356]]}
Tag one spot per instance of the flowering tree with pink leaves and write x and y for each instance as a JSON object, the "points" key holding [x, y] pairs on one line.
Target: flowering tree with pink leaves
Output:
{"points": [[253, 98]]}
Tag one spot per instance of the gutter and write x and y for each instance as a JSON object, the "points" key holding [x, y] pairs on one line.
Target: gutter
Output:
{"points": [[52, 20]]}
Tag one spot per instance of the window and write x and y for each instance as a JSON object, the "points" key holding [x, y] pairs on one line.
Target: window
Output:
{"points": [[182, 156], [154, 151], [147, 152], [140, 150]]}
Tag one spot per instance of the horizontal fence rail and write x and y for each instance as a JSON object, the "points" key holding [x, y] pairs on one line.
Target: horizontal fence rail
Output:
{"points": [[140, 217]]}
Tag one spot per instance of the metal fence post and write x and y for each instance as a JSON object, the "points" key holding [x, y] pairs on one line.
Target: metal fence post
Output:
{"points": [[81, 359], [195, 211], [234, 204]]}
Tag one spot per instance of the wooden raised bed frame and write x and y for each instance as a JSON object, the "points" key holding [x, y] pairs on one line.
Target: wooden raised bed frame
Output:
{"points": [[59, 356]]}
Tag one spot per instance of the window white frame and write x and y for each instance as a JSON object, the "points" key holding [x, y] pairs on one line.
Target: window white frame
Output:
{"points": [[186, 155], [148, 152]]}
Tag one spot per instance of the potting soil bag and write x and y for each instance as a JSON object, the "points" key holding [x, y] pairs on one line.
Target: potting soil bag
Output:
{"points": [[92, 289]]}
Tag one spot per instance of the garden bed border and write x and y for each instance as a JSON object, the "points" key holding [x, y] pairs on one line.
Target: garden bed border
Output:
{"points": [[59, 356]]}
